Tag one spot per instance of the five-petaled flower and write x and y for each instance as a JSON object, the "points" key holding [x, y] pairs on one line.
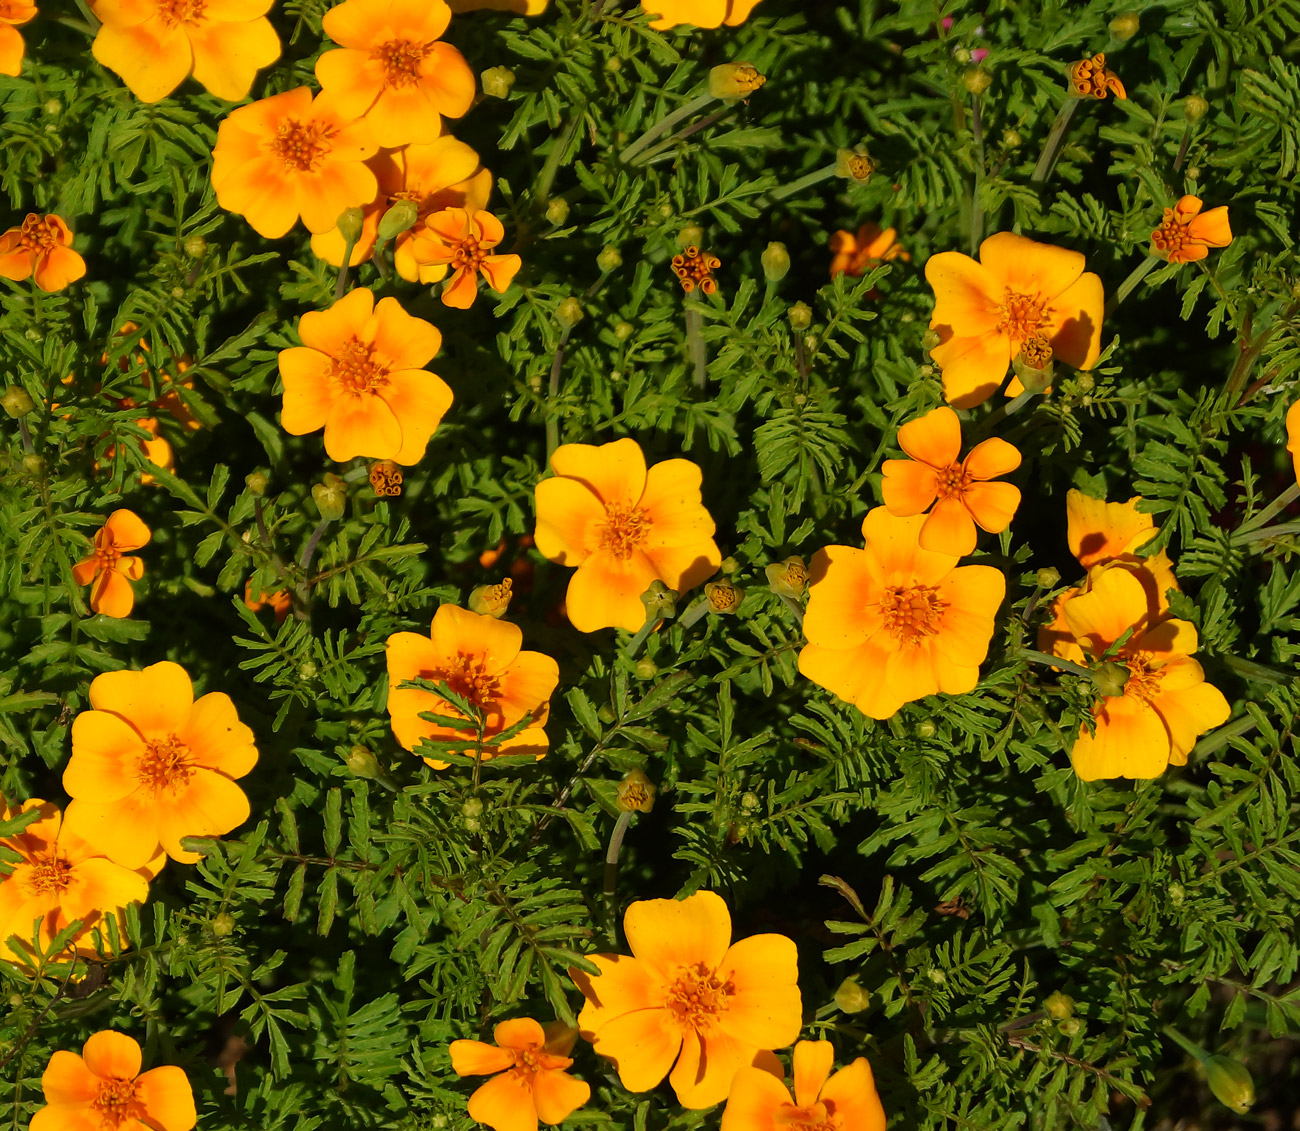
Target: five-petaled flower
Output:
{"points": [[847, 1101], [1019, 292], [689, 1000], [13, 14], [392, 70], [856, 255], [41, 246], [530, 1080], [936, 471], [154, 45], [462, 241], [111, 566], [103, 1089], [701, 13], [151, 764], [893, 622], [360, 376], [478, 657], [1186, 234], [623, 527], [289, 156]]}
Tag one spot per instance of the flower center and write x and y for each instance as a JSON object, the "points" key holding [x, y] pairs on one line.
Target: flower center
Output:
{"points": [[1036, 352], [166, 764], [624, 530], [467, 679], [952, 481], [302, 145], [401, 59], [912, 612], [695, 269], [814, 1117], [1172, 235], [1144, 678], [173, 12], [355, 369], [1021, 316], [468, 254], [37, 234], [50, 875], [697, 996], [117, 1102]]}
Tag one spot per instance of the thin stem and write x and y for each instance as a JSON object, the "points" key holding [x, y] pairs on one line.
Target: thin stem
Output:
{"points": [[1055, 661], [92, 20], [694, 106], [1284, 500], [1182, 148], [552, 393], [312, 542], [1140, 272], [1047, 158], [1182, 1042], [634, 645], [543, 187], [1265, 533], [695, 342], [977, 208], [342, 283], [693, 614], [611, 870], [25, 433], [813, 178], [695, 127]]}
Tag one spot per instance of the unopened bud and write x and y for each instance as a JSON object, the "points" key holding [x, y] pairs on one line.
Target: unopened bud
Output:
{"points": [[1085, 382], [196, 247], [613, 64], [349, 224], [1110, 679], [660, 601], [646, 669], [223, 925], [851, 997], [17, 402], [636, 793], [569, 312], [557, 210], [53, 107], [1230, 1082], [977, 80], [497, 81], [400, 217], [800, 316], [609, 259], [1071, 1027], [788, 578], [331, 496], [1125, 26], [776, 262], [491, 600], [1049, 577], [256, 482], [690, 236], [362, 763], [472, 807], [926, 730], [854, 164], [730, 81], [723, 597], [1194, 173], [624, 330], [961, 54], [1012, 139], [930, 339], [307, 670], [1195, 107], [1059, 1006], [33, 464], [749, 802]]}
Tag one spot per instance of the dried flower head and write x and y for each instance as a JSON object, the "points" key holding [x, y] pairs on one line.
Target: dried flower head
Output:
{"points": [[1091, 78], [695, 269]]}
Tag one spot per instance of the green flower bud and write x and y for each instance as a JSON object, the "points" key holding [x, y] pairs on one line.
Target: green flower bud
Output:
{"points": [[307, 670], [749, 801], [569, 313], [53, 107], [926, 730], [730, 81], [854, 164], [646, 669], [1071, 1027], [497, 81], [17, 402], [729, 565], [606, 713], [776, 262], [690, 236], [1231, 1083], [930, 339], [1125, 26], [851, 997], [196, 247], [800, 316], [256, 482], [1059, 1006], [1195, 107], [491, 600], [977, 80], [33, 464], [962, 54], [1177, 893], [660, 601], [788, 578], [636, 793], [1012, 139], [624, 330], [1049, 577], [362, 762], [472, 807], [1110, 678], [557, 211], [609, 259], [399, 218], [349, 224], [613, 64], [223, 925], [331, 495]]}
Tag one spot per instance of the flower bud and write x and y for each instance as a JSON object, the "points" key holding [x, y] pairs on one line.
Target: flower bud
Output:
{"points": [[851, 997], [749, 802], [472, 807], [1110, 678], [613, 64], [926, 730], [497, 81], [400, 217], [362, 763], [1012, 139], [1071, 1027], [307, 670], [788, 578], [1049, 577], [723, 597], [854, 164], [349, 224], [606, 713], [1059, 1006], [17, 402], [636, 793], [1125, 26], [196, 247], [660, 601], [223, 925], [33, 464], [961, 54], [930, 339], [557, 210], [331, 496], [569, 313], [690, 236], [1230, 1082], [609, 259], [776, 262], [1033, 364], [800, 316], [491, 600], [977, 80], [730, 81], [624, 330], [256, 482], [1195, 107], [53, 107], [646, 669]]}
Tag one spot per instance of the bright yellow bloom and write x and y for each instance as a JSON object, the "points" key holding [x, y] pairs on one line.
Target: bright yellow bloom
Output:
{"points": [[856, 255], [462, 242], [520, 7], [103, 1089], [1020, 292], [623, 527], [1186, 234], [13, 14], [154, 45], [936, 471], [847, 1101], [111, 567], [40, 247], [688, 1000], [893, 623], [150, 765], [1293, 437], [393, 70], [701, 13], [533, 1082]]}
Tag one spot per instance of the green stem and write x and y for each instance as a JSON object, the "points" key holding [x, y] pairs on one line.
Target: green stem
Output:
{"points": [[695, 342], [634, 645], [342, 283], [977, 208], [694, 106], [793, 605], [1140, 272], [663, 148], [813, 178], [1284, 500], [693, 614], [543, 187], [91, 19], [1047, 158], [1265, 533], [611, 870], [1055, 661], [1186, 1045]]}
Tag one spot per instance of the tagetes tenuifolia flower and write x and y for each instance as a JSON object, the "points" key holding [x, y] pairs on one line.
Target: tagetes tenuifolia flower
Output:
{"points": [[1186, 234], [689, 1000], [530, 1080], [154, 45], [462, 242], [155, 448], [289, 156], [856, 255], [60, 879], [392, 68], [847, 1101], [519, 7], [623, 527], [111, 566], [41, 246], [13, 14], [893, 622], [937, 471], [478, 657], [278, 601], [360, 376], [1293, 437], [1165, 704], [151, 764], [1020, 291], [103, 1089], [701, 13]]}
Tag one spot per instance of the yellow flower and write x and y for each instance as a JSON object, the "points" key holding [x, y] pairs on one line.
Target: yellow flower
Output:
{"points": [[41, 248], [109, 569], [855, 255], [701, 13], [1186, 234], [462, 242], [13, 14], [847, 1101], [1293, 437]]}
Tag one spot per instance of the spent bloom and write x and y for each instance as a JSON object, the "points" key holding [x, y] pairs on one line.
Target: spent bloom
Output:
{"points": [[892, 623], [111, 567], [292, 155], [1019, 292], [360, 376], [701, 13], [103, 1089], [623, 527], [154, 45], [461, 241], [687, 1003], [857, 254], [479, 658], [13, 14], [1186, 234], [151, 764], [847, 1101], [392, 68], [935, 471], [530, 1080], [1091, 78], [694, 269], [40, 247]]}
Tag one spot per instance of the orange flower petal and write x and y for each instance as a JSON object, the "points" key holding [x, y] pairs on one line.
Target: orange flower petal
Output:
{"points": [[973, 367], [755, 1098], [456, 632], [474, 1058], [210, 805], [340, 184], [227, 56], [642, 1045], [624, 985], [948, 529], [1130, 742], [127, 530], [933, 439], [112, 595], [570, 518], [462, 290], [894, 555], [908, 487], [308, 392], [684, 567], [605, 592], [992, 505], [156, 701], [108, 1054], [105, 749], [407, 342], [329, 331], [419, 399], [500, 270], [671, 500], [813, 1061], [505, 1103], [1212, 227], [67, 1080], [1097, 530], [362, 426], [1029, 267], [168, 1098], [616, 471], [256, 190], [766, 1010], [558, 1095], [910, 672], [1115, 603], [59, 267], [100, 886], [124, 830], [708, 1064], [519, 1033], [991, 458], [84, 572], [966, 295], [216, 737], [405, 115], [152, 59], [1076, 316], [528, 683], [669, 933], [973, 595], [1189, 712], [856, 675], [851, 1097]]}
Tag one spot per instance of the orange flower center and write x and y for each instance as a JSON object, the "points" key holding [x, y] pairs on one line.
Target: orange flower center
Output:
{"points": [[697, 996], [814, 1117], [694, 269], [50, 875], [1021, 316], [117, 1102], [1172, 235], [37, 234], [1144, 678], [302, 146], [355, 370], [624, 530], [173, 12], [912, 612], [952, 481], [401, 59], [468, 254], [167, 763], [467, 679]]}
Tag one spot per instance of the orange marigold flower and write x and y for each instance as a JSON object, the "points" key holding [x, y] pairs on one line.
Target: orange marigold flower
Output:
{"points": [[478, 657], [533, 1082], [1293, 437], [623, 527], [13, 13], [462, 241], [856, 255], [1165, 704], [1187, 234], [150, 765], [392, 69], [936, 471], [360, 376], [893, 622], [278, 602], [58, 880], [985, 312], [109, 569], [41, 246], [289, 156], [157, 450], [701, 13], [443, 174], [687, 995], [103, 1088], [847, 1101], [520, 7], [1091, 78], [154, 45]]}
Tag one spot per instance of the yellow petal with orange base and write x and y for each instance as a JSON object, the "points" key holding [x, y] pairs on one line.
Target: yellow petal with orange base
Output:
{"points": [[216, 737], [622, 985], [475, 1058], [709, 1062], [505, 1103], [1114, 603], [843, 605], [765, 1009], [570, 517], [669, 933], [643, 1046], [616, 471], [1076, 322], [557, 1095], [156, 700], [1026, 266], [209, 805]]}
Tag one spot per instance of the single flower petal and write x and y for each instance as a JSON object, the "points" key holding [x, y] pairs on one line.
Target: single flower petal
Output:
{"points": [[105, 750], [67, 1081], [457, 632], [1130, 742], [765, 1010], [1027, 267], [708, 1064], [505, 1103], [1115, 603], [108, 1054], [973, 366], [933, 439], [851, 1098], [362, 426], [949, 529], [624, 985], [474, 1058], [1076, 318], [216, 737], [1211, 227], [156, 701], [168, 1098], [557, 1095], [991, 458], [642, 1045], [813, 1061], [670, 933], [210, 805], [616, 472], [992, 505], [755, 1099], [605, 592]]}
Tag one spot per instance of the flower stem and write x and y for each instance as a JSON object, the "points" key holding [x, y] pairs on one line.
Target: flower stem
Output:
{"points": [[542, 189], [1284, 500], [1056, 662], [695, 342], [693, 614], [793, 605], [611, 870], [976, 207], [1140, 272], [664, 146], [342, 283], [634, 645], [1265, 533], [26, 436], [694, 106], [813, 178], [1052, 145], [1183, 1043], [310, 550]]}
